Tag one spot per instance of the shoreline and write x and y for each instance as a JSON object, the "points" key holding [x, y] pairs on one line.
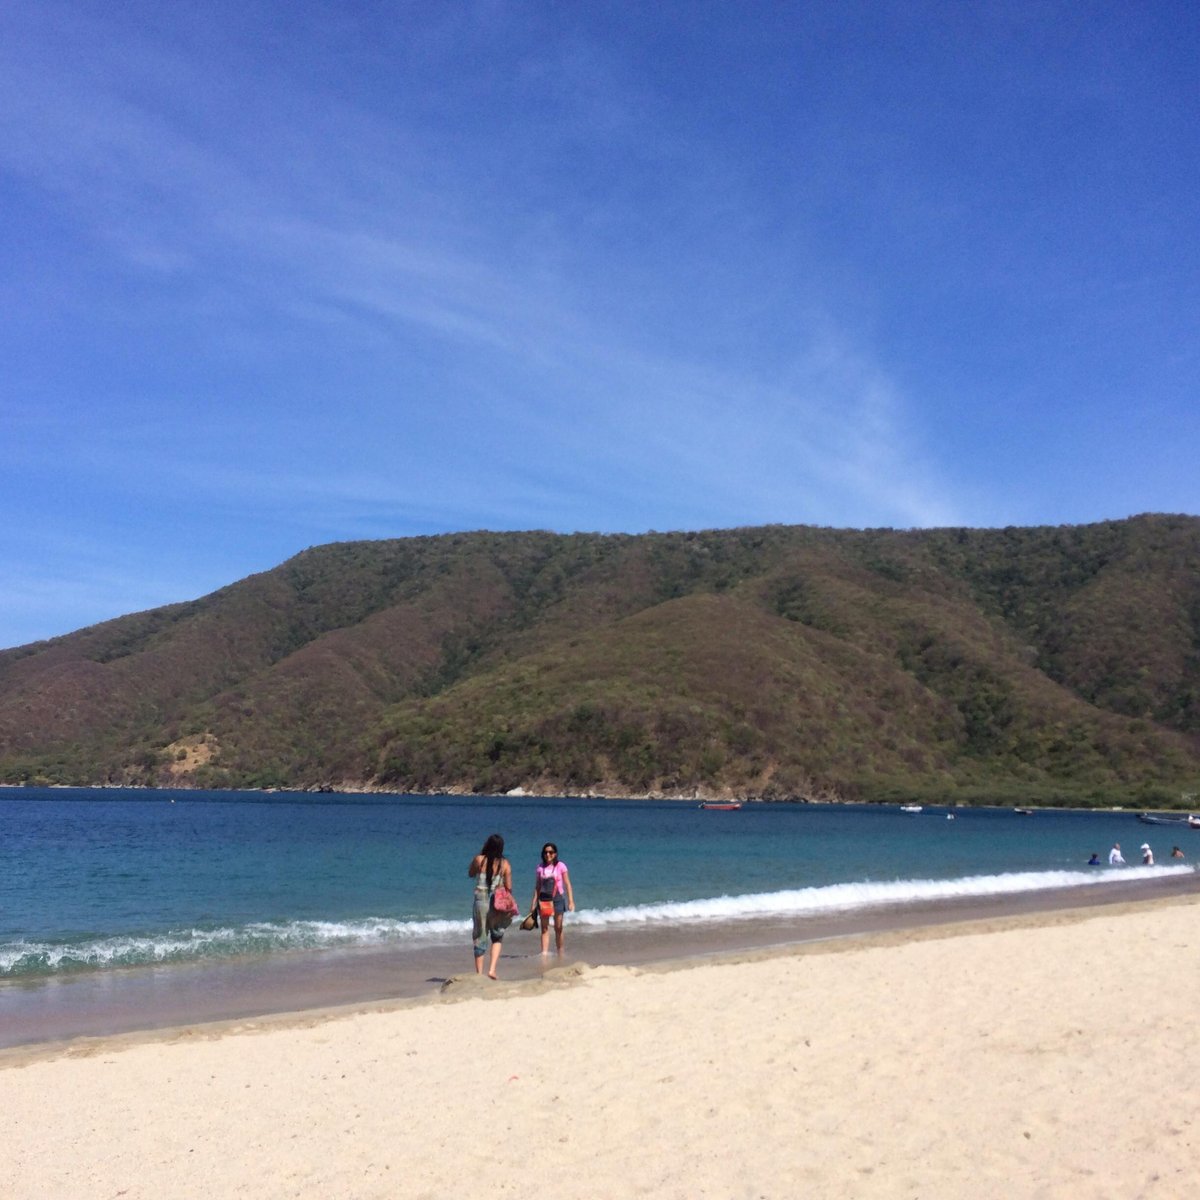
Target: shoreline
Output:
{"points": [[1002, 1056], [693, 797], [47, 1017]]}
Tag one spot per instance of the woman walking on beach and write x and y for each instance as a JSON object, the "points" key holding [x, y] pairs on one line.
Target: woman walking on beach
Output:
{"points": [[490, 870], [552, 895]]}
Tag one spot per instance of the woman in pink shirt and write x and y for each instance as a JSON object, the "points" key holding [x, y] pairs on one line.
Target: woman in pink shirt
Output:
{"points": [[552, 895]]}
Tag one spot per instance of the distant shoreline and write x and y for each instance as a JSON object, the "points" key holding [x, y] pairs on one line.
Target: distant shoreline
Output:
{"points": [[369, 790]]}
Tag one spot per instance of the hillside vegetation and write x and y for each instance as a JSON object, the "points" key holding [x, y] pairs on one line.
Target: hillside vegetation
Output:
{"points": [[784, 662]]}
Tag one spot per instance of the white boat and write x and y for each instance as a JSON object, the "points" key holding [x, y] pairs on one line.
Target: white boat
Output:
{"points": [[1188, 822], [912, 808]]}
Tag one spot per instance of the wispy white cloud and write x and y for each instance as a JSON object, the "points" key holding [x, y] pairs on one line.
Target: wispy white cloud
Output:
{"points": [[495, 354], [64, 582]]}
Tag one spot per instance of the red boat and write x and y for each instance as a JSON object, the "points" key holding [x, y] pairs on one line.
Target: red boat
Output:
{"points": [[721, 805]]}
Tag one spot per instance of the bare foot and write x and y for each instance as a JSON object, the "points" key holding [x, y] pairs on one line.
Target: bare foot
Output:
{"points": [[492, 975]]}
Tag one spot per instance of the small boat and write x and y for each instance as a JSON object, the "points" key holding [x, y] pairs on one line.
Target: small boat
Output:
{"points": [[1023, 812], [720, 805], [912, 808], [1188, 822]]}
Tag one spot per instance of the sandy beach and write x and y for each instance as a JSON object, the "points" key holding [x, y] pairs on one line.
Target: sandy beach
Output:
{"points": [[1041, 1055]]}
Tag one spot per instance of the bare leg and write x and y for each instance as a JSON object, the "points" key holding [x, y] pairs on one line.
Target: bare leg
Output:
{"points": [[479, 964], [545, 935], [495, 958], [558, 932]]}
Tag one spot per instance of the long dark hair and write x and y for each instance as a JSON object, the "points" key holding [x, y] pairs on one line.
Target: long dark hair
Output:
{"points": [[493, 855]]}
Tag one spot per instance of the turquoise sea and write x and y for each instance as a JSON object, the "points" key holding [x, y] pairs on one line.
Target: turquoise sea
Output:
{"points": [[96, 880]]}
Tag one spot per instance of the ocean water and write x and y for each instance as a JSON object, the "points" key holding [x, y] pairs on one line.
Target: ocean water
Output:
{"points": [[94, 880]]}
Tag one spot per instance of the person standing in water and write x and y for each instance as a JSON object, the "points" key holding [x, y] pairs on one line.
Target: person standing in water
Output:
{"points": [[490, 869], [1115, 857], [552, 896]]}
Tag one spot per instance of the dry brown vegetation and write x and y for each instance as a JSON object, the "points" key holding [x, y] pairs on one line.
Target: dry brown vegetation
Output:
{"points": [[1053, 663]]}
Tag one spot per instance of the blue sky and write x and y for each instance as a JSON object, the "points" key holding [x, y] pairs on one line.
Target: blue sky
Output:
{"points": [[276, 275]]}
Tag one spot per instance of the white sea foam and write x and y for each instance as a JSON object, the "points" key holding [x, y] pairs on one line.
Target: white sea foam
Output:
{"points": [[27, 958], [846, 897], [260, 937]]}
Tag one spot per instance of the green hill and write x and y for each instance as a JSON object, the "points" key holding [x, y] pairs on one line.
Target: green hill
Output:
{"points": [[1051, 663]]}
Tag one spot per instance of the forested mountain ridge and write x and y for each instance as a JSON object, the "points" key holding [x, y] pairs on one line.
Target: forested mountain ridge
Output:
{"points": [[778, 661]]}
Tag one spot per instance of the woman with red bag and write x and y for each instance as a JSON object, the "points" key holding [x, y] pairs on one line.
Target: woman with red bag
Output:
{"points": [[552, 895], [494, 904]]}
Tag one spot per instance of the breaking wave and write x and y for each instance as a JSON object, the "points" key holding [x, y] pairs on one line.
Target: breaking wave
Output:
{"points": [[30, 959], [24, 958], [846, 897]]}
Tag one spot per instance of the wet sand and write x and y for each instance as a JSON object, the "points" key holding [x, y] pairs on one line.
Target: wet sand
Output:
{"points": [[105, 1003]]}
